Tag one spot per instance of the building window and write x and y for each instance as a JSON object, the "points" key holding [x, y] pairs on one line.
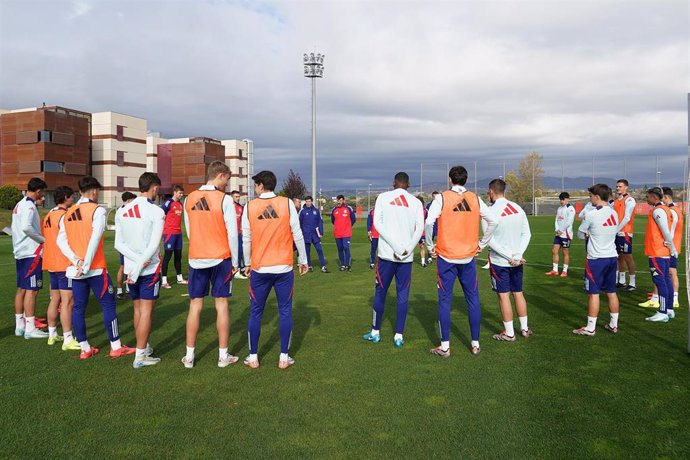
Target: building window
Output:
{"points": [[44, 136], [240, 171], [120, 183], [240, 153], [241, 189], [120, 158], [52, 167], [120, 133]]}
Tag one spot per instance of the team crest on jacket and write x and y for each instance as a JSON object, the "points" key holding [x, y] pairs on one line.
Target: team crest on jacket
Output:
{"points": [[110, 289], [39, 283]]}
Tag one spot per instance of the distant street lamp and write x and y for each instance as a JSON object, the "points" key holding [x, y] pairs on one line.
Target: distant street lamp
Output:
{"points": [[313, 68], [369, 197]]}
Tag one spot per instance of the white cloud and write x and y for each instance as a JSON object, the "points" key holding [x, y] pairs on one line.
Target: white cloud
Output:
{"points": [[404, 80]]}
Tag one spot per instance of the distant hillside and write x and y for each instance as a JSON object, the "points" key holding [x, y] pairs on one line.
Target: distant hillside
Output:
{"points": [[550, 183]]}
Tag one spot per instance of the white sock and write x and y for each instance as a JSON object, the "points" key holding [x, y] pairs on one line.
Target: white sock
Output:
{"points": [[19, 320], [119, 291], [179, 278], [445, 345], [30, 323], [614, 320], [508, 326], [85, 347], [675, 297], [621, 277], [253, 357], [565, 268], [397, 337], [141, 352], [374, 332], [190, 354], [475, 343], [284, 357], [52, 331], [632, 280], [523, 323], [591, 323], [164, 279], [68, 336], [555, 267], [655, 297], [116, 345], [222, 353]]}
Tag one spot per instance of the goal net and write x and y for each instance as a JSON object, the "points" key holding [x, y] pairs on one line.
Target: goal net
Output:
{"points": [[548, 205]]}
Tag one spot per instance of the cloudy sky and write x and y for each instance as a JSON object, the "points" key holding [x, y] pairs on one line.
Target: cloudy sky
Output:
{"points": [[407, 83]]}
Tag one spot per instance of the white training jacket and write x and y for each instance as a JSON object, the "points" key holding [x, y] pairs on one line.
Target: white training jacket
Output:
{"points": [[565, 216], [511, 236], [600, 224], [138, 233], [26, 230], [399, 219]]}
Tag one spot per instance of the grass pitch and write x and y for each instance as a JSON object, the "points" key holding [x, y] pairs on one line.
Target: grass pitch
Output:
{"points": [[554, 395]]}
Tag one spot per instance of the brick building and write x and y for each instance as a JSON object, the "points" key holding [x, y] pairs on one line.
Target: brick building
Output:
{"points": [[52, 143]]}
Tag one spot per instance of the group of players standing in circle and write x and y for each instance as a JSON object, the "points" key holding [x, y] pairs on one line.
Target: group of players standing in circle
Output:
{"points": [[607, 228], [257, 241]]}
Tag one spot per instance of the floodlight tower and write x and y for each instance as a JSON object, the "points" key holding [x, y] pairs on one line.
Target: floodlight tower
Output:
{"points": [[313, 68]]}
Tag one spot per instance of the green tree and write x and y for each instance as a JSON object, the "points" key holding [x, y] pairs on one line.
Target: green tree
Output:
{"points": [[520, 183], [9, 196]]}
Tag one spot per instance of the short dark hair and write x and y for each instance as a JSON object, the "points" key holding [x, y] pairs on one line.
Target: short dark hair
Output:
{"points": [[435, 192], [62, 193], [564, 195], [267, 179], [35, 184], [234, 191], [498, 186], [622, 181], [339, 197], [215, 169], [603, 191], [458, 175], [402, 178], [148, 180], [87, 183], [656, 191], [308, 197], [668, 191], [128, 196], [177, 188]]}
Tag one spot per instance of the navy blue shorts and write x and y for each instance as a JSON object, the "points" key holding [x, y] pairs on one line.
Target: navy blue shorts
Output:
{"points": [[600, 275], [673, 262], [219, 278], [624, 244], [30, 273], [58, 281], [122, 260], [172, 242], [562, 242], [146, 288], [506, 279]]}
